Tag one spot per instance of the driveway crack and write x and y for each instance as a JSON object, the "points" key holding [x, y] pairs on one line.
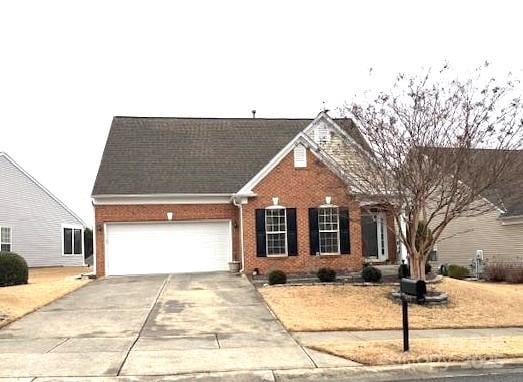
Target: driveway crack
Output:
{"points": [[57, 345], [160, 292]]}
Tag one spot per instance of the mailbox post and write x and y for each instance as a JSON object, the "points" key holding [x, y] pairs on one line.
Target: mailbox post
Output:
{"points": [[405, 315], [418, 289]]}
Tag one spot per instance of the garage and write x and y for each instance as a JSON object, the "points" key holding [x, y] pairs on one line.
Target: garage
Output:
{"points": [[168, 247]]}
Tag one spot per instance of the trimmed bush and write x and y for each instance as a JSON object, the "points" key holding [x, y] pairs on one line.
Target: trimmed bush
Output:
{"points": [[457, 271], [326, 275], [403, 271], [13, 269], [444, 269], [277, 277], [371, 274]]}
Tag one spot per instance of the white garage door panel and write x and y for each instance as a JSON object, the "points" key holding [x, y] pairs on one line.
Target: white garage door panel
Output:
{"points": [[168, 247]]}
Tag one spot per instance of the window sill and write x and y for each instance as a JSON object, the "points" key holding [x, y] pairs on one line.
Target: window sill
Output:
{"points": [[72, 255], [277, 256]]}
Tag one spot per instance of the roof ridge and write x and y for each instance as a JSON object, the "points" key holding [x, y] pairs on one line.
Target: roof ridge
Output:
{"points": [[215, 118]]}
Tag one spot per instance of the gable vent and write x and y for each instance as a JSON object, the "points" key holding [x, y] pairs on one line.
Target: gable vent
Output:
{"points": [[322, 134], [300, 156]]}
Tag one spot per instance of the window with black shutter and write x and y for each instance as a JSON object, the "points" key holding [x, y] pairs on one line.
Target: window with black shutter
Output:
{"points": [[329, 230], [276, 232]]}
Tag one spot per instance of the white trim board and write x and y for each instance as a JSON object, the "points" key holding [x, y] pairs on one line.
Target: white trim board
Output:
{"points": [[17, 166]]}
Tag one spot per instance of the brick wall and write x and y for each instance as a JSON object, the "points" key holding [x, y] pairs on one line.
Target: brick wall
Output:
{"points": [[302, 188], [391, 236], [151, 213]]}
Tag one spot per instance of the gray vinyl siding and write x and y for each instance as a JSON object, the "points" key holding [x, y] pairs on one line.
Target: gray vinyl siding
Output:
{"points": [[35, 219], [464, 236]]}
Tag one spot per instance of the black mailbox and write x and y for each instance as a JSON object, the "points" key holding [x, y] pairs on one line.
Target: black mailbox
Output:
{"points": [[417, 288]]}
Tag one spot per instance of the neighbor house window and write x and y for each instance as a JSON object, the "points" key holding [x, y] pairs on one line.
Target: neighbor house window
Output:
{"points": [[328, 224], [5, 239], [72, 241], [276, 231]]}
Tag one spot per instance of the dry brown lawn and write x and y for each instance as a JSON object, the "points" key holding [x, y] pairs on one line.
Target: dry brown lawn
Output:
{"points": [[350, 307], [426, 350], [45, 285]]}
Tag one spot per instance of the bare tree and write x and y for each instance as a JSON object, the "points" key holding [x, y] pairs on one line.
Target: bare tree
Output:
{"points": [[440, 148]]}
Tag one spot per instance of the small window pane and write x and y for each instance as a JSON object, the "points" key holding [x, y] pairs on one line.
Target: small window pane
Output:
{"points": [[276, 244], [329, 242], [77, 241], [5, 247], [5, 235], [275, 220], [68, 241]]}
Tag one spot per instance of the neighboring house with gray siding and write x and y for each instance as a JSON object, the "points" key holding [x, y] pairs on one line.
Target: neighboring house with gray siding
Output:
{"points": [[498, 232], [34, 223]]}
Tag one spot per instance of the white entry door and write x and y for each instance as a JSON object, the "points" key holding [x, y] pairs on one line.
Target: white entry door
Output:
{"points": [[171, 247], [374, 236]]}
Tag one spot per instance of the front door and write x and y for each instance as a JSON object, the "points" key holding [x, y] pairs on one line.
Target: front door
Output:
{"points": [[374, 236]]}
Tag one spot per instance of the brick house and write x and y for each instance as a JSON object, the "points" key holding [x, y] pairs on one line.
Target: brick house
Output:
{"points": [[193, 195]]}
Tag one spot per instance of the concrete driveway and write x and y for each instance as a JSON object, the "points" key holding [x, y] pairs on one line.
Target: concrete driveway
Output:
{"points": [[152, 326]]}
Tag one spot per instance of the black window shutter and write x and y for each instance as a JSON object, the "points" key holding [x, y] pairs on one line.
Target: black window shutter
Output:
{"points": [[292, 237], [314, 234], [344, 231], [261, 249]]}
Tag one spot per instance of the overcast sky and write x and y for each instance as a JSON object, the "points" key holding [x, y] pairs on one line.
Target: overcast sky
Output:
{"points": [[67, 67]]}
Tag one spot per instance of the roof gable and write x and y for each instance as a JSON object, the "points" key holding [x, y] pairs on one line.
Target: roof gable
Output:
{"points": [[40, 186]]}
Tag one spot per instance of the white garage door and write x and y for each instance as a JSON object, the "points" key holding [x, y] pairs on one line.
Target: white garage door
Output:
{"points": [[140, 248]]}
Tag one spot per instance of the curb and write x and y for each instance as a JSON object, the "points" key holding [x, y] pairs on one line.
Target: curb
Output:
{"points": [[397, 372]]}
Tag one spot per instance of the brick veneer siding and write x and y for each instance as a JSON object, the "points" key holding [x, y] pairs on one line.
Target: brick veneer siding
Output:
{"points": [[151, 213], [301, 188]]}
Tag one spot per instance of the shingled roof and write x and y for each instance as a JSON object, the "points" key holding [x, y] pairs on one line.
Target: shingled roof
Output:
{"points": [[192, 155], [507, 194]]}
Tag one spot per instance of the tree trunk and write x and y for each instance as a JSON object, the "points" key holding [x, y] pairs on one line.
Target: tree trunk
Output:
{"points": [[417, 267]]}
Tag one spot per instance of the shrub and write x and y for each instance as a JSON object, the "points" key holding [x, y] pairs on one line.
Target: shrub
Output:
{"points": [[428, 267], [326, 275], [515, 275], [457, 271], [496, 272], [511, 272], [403, 271], [371, 274], [13, 269], [444, 269], [277, 277]]}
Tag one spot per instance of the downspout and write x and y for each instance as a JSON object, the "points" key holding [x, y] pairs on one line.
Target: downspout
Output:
{"points": [[240, 206]]}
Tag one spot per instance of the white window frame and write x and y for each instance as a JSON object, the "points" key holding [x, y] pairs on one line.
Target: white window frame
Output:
{"points": [[10, 242], [328, 230], [72, 227], [267, 233]]}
